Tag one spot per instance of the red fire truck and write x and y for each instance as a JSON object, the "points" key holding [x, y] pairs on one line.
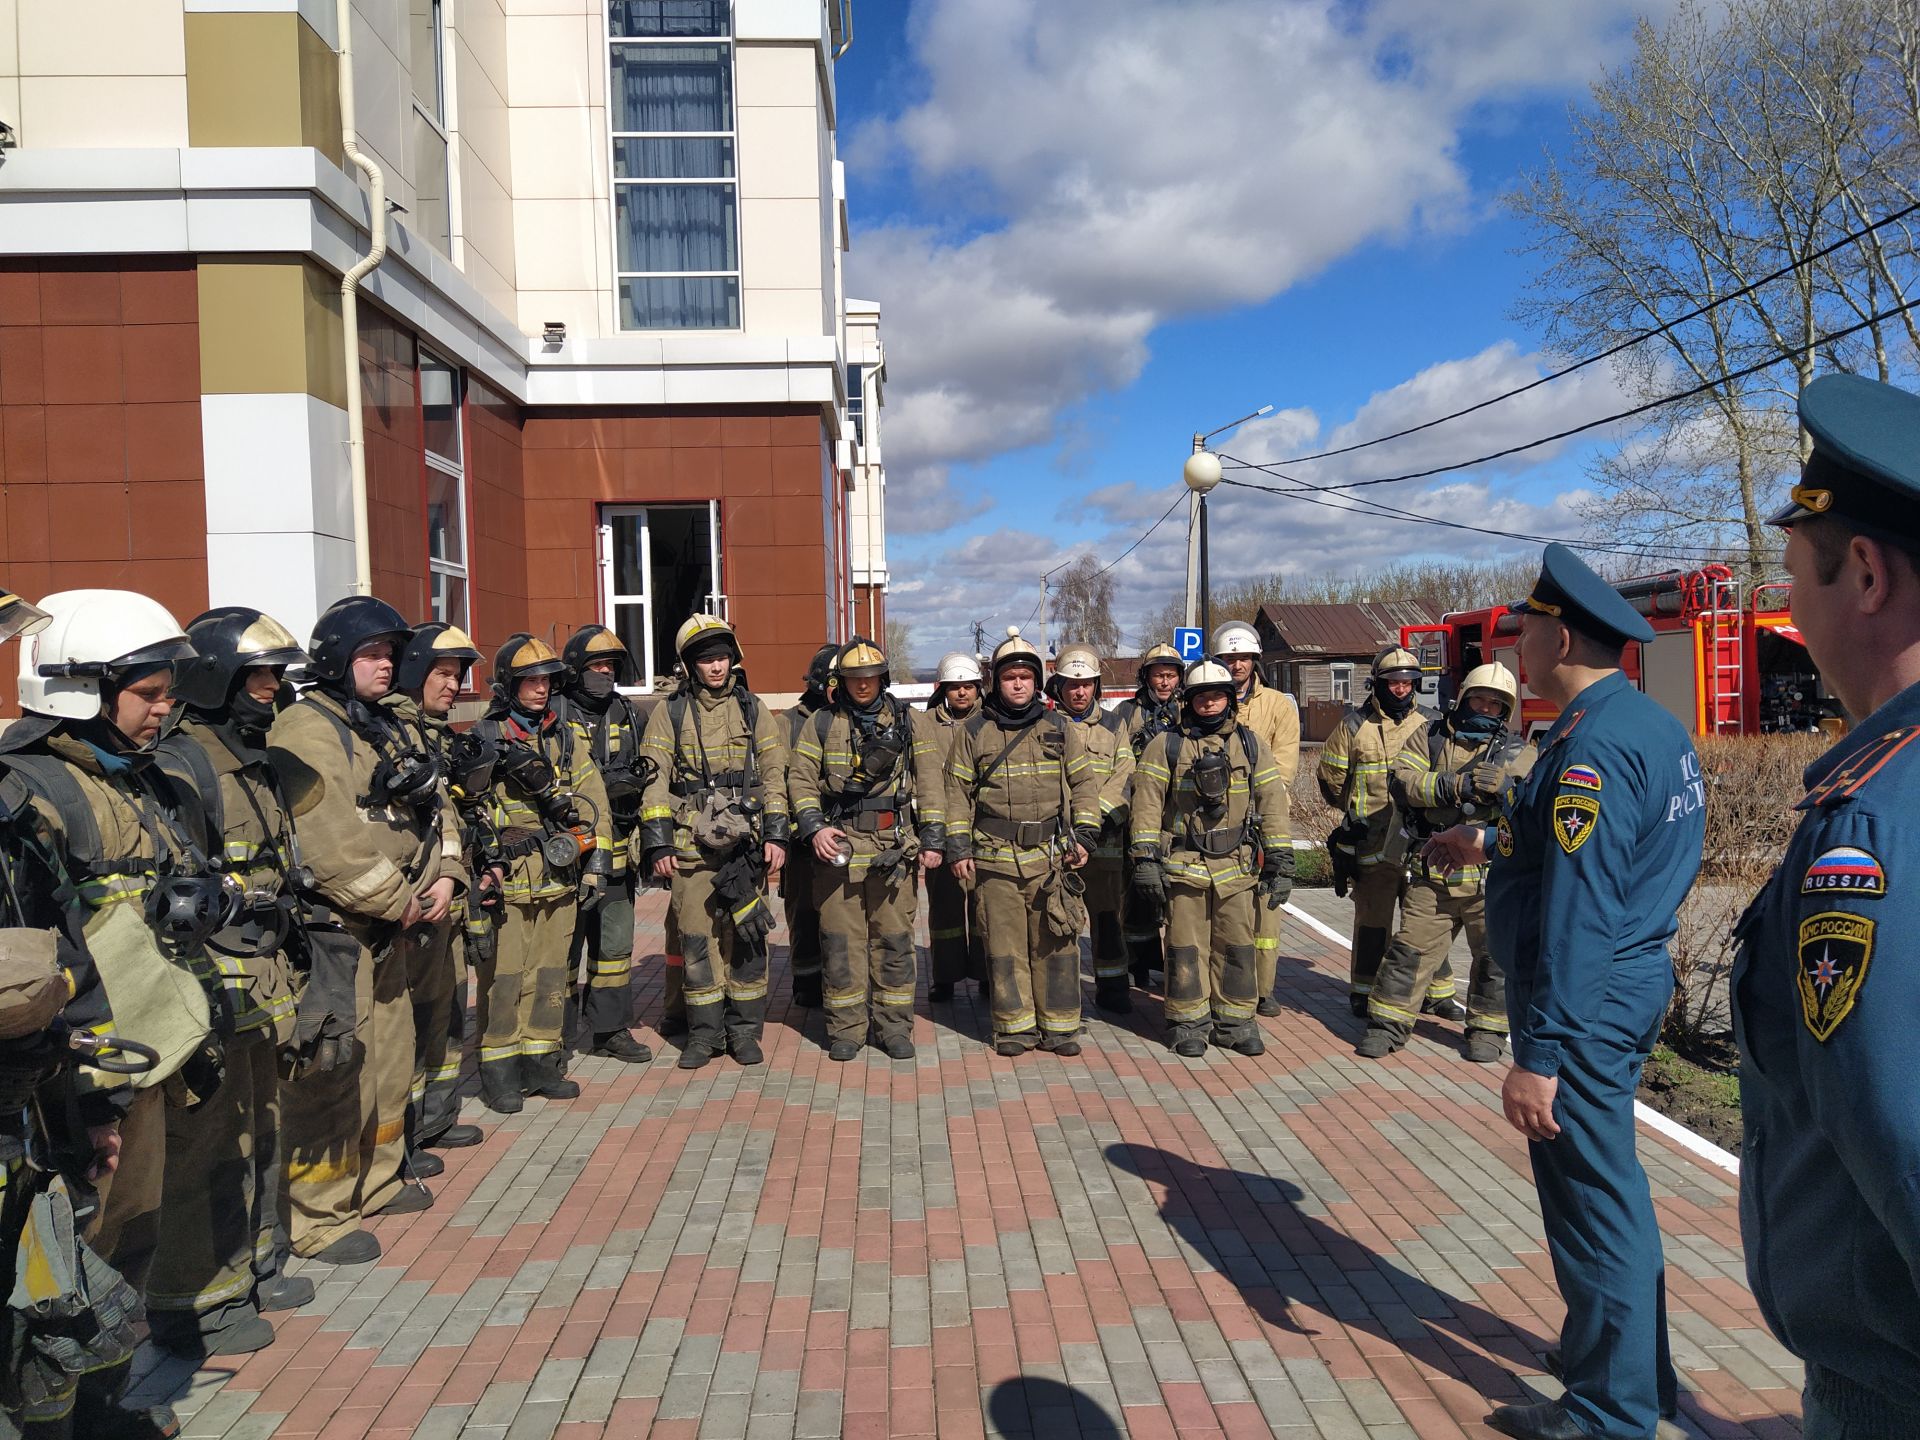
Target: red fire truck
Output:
{"points": [[1722, 662]]}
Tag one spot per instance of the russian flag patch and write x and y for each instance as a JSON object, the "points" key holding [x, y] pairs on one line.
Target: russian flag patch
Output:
{"points": [[1846, 870], [1585, 776]]}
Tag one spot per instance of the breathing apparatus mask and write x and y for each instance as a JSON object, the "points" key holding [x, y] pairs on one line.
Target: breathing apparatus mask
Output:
{"points": [[1212, 777], [410, 779], [569, 838], [471, 760], [185, 906]]}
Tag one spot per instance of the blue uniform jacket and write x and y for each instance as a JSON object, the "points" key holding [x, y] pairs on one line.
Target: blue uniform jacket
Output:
{"points": [[1826, 991], [1595, 849]]}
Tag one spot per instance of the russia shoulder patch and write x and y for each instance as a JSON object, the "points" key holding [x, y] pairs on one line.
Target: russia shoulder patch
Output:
{"points": [[1584, 776], [1845, 869]]}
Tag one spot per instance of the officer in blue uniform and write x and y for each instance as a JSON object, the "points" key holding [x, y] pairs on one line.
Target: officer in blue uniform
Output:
{"points": [[1827, 983], [1593, 853]]}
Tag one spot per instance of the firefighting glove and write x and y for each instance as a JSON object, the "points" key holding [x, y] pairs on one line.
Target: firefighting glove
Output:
{"points": [[593, 880], [323, 1021], [203, 1073], [1276, 877], [737, 883], [1150, 879], [1488, 781], [1447, 788]]}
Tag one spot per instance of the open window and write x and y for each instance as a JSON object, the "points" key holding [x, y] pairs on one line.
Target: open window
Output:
{"points": [[659, 564]]}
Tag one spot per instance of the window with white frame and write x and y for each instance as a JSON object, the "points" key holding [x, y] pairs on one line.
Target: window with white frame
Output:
{"points": [[446, 489], [676, 203], [857, 402], [432, 215]]}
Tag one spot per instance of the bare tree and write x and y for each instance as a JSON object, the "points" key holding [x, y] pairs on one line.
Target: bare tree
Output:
{"points": [[1739, 141], [1082, 606], [900, 649]]}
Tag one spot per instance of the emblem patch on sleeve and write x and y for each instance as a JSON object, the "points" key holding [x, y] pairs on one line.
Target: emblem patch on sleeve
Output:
{"points": [[1845, 869], [1503, 837], [1585, 776], [1834, 951], [1574, 817]]}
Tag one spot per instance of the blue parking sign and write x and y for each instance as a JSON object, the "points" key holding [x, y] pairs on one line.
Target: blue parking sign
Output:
{"points": [[1189, 643]]}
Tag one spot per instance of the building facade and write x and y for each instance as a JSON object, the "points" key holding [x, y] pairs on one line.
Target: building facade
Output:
{"points": [[606, 368]]}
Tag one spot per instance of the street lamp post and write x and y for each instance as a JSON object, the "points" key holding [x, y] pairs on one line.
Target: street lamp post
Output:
{"points": [[1202, 473]]}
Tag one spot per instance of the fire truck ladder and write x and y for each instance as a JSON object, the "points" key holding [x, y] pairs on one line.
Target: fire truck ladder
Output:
{"points": [[1722, 634]]}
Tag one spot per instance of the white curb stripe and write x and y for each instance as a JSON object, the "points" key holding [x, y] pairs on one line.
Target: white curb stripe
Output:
{"points": [[1683, 1137]]}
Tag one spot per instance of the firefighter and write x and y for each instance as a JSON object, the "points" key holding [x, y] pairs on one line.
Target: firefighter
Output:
{"points": [[94, 684], [1272, 715], [1022, 814], [797, 896], [1154, 707], [1369, 848], [1075, 691], [550, 810], [226, 1173], [714, 823], [852, 776], [431, 673], [1456, 769], [952, 928], [597, 665], [370, 816], [1210, 828]]}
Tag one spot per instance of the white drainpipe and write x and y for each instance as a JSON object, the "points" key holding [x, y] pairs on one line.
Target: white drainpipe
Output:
{"points": [[350, 306]]}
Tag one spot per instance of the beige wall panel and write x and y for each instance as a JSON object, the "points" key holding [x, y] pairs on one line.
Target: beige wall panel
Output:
{"points": [[103, 112], [559, 153], [270, 325], [776, 75], [779, 152], [780, 244], [553, 245], [547, 60], [487, 229], [783, 312], [261, 79], [102, 37]]}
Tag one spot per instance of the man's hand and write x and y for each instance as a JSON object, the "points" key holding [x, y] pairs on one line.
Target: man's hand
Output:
{"points": [[1528, 1100], [930, 859], [827, 841], [410, 916], [1077, 857], [963, 871], [105, 1140], [664, 867], [436, 900], [1456, 848], [775, 856]]}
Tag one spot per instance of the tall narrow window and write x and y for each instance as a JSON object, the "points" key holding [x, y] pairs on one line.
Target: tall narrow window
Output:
{"points": [[857, 402], [446, 489], [675, 196], [432, 208]]}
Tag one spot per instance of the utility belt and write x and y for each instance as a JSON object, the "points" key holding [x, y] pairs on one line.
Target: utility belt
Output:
{"points": [[517, 844], [870, 814], [1213, 844], [720, 780], [1021, 834]]}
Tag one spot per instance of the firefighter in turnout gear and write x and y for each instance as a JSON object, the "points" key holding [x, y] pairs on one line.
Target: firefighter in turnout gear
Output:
{"points": [[1075, 691], [226, 1173], [797, 895], [1022, 815], [432, 671], [1455, 770], [714, 822], [852, 776], [373, 823], [1272, 715], [1369, 848], [958, 951], [597, 665], [94, 685], [1153, 708], [1211, 845], [555, 827]]}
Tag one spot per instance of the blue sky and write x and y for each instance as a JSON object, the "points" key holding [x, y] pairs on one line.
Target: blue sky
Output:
{"points": [[1095, 226]]}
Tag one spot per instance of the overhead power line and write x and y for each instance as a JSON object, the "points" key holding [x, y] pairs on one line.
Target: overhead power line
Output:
{"points": [[1628, 414], [1613, 350]]}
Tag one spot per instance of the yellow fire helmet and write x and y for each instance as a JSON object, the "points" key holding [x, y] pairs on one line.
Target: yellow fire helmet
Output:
{"points": [[1161, 654], [1016, 650], [700, 632], [860, 658], [522, 658], [17, 617], [1395, 663], [1495, 679], [593, 643]]}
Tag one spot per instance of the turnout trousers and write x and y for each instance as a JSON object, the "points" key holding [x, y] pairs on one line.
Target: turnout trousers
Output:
{"points": [[1211, 964], [958, 950], [800, 904], [1106, 898], [1140, 926], [436, 973], [345, 1129], [1602, 1233], [867, 957], [1416, 970], [522, 1001], [603, 944], [1376, 893], [725, 978], [1036, 973], [223, 1195], [1266, 946], [126, 1228]]}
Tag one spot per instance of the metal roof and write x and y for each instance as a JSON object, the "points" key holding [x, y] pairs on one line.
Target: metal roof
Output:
{"points": [[1340, 631]]}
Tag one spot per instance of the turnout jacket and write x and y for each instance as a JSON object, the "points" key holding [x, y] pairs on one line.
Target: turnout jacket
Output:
{"points": [[1013, 790], [824, 781], [1439, 750], [1112, 760], [1167, 815], [367, 860], [612, 740], [1272, 715], [1141, 717], [1355, 761], [702, 738], [514, 812]]}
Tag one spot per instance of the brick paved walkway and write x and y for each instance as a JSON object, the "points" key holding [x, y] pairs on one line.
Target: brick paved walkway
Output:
{"points": [[1125, 1243]]}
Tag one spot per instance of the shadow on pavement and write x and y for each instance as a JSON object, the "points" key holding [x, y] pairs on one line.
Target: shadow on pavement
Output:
{"points": [[1034, 1405]]}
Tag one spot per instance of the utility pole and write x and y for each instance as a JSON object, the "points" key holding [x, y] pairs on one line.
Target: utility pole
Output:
{"points": [[979, 637], [1196, 507], [1043, 617]]}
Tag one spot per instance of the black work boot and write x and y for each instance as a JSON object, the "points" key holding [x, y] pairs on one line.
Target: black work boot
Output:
{"points": [[1113, 996], [500, 1085], [939, 992], [619, 1045], [806, 991], [283, 1292], [456, 1136], [672, 1026], [1377, 1043], [1447, 1009], [540, 1075]]}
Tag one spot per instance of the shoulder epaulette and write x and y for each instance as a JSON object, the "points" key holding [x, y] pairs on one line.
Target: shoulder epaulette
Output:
{"points": [[1851, 778]]}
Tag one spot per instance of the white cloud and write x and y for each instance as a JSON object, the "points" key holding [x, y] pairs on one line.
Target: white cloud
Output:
{"points": [[1113, 164]]}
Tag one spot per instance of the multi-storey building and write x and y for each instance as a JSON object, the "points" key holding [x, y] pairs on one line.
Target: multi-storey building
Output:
{"points": [[605, 366]]}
